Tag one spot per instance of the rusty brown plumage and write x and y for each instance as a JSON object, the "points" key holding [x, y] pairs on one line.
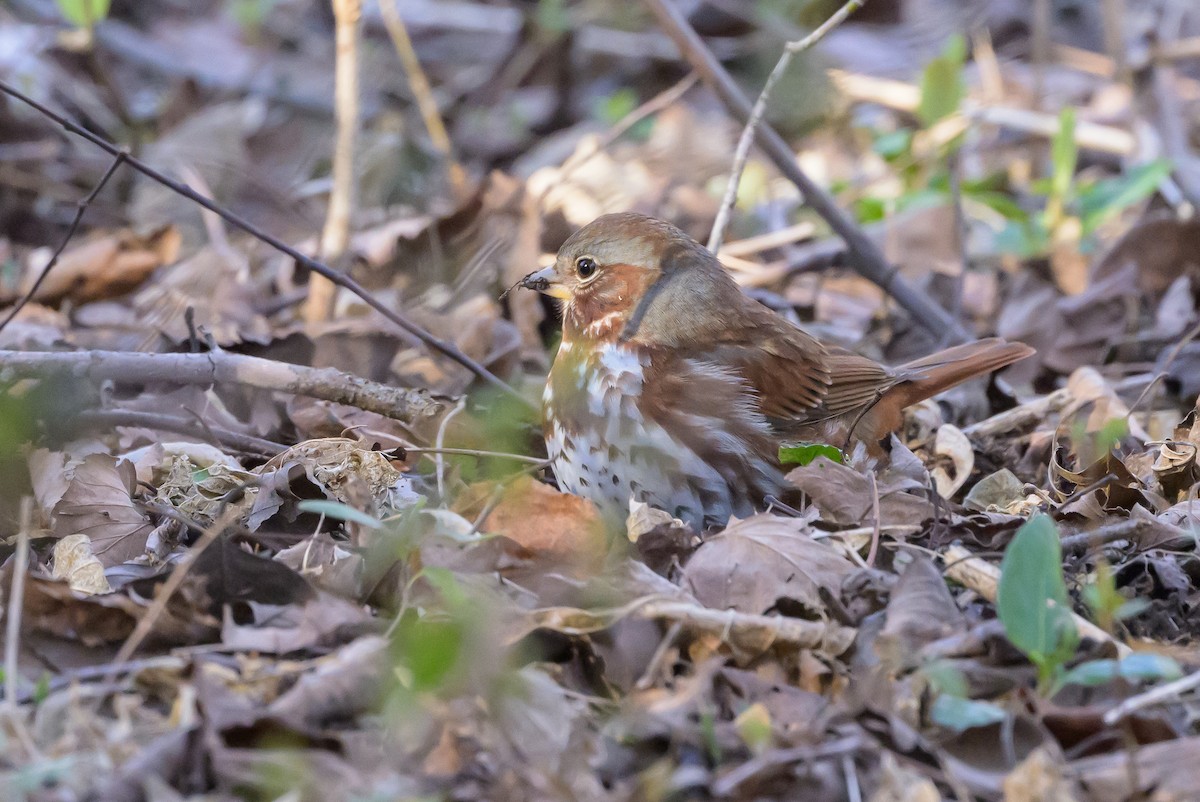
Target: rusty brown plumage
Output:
{"points": [[673, 387]]}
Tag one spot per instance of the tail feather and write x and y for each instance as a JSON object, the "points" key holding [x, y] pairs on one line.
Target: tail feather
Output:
{"points": [[926, 377]]}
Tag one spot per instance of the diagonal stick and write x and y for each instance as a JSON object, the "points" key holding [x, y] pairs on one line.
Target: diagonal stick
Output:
{"points": [[447, 349]]}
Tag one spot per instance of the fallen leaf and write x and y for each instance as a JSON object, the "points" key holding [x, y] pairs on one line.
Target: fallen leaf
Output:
{"points": [[920, 611], [755, 564], [98, 503], [322, 620], [951, 442], [75, 564], [553, 525], [104, 267], [846, 497]]}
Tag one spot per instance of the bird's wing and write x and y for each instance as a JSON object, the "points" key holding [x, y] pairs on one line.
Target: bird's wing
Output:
{"points": [[787, 369], [858, 382]]}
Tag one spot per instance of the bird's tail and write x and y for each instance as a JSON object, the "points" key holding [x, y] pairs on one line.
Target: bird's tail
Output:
{"points": [[926, 377]]}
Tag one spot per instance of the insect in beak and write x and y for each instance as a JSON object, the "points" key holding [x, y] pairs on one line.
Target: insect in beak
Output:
{"points": [[546, 282]]}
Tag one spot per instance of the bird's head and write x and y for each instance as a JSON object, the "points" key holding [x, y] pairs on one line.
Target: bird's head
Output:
{"points": [[631, 278]]}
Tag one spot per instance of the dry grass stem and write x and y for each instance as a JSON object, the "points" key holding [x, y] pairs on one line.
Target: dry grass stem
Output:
{"points": [[335, 236], [756, 114]]}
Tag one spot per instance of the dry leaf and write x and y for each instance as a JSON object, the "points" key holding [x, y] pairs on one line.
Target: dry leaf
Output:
{"points": [[755, 564], [952, 443], [98, 503], [920, 611], [104, 267], [550, 524], [846, 497], [75, 563]]}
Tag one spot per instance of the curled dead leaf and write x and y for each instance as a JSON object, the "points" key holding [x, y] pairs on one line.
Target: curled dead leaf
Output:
{"points": [[952, 443], [78, 567]]}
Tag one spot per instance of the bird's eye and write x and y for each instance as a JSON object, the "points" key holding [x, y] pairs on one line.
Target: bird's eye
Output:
{"points": [[585, 266]]}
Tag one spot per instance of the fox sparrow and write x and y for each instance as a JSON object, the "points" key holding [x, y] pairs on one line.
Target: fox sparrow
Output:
{"points": [[674, 388]]}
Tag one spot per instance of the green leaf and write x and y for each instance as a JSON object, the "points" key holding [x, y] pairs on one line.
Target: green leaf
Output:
{"points": [[946, 678], [893, 144], [430, 649], [1032, 601], [339, 511], [1101, 201], [42, 689], [83, 13], [958, 714], [998, 202], [613, 108], [1024, 239], [942, 86], [920, 199], [871, 209], [754, 726], [1064, 154], [1141, 667], [805, 453]]}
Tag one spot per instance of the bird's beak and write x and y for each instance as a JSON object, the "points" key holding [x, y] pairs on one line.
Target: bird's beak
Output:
{"points": [[546, 282]]}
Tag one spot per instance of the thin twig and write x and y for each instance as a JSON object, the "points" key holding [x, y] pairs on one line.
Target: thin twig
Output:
{"points": [[866, 256], [875, 529], [726, 624], [983, 577], [16, 603], [221, 367], [1172, 355], [145, 624], [338, 277], [80, 208], [1153, 696], [1129, 529], [86, 673], [646, 681], [765, 242], [961, 233], [418, 82], [756, 114], [654, 105], [728, 784], [335, 235], [439, 444], [1115, 21], [170, 423], [476, 452]]}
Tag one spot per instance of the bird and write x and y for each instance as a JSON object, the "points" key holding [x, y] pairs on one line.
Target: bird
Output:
{"points": [[674, 388]]}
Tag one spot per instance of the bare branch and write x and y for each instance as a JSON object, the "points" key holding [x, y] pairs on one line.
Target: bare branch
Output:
{"points": [[220, 367], [422, 93], [447, 349], [335, 236], [756, 114], [80, 208], [245, 443], [865, 255]]}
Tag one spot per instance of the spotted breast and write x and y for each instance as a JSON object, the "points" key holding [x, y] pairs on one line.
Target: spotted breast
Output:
{"points": [[621, 423]]}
